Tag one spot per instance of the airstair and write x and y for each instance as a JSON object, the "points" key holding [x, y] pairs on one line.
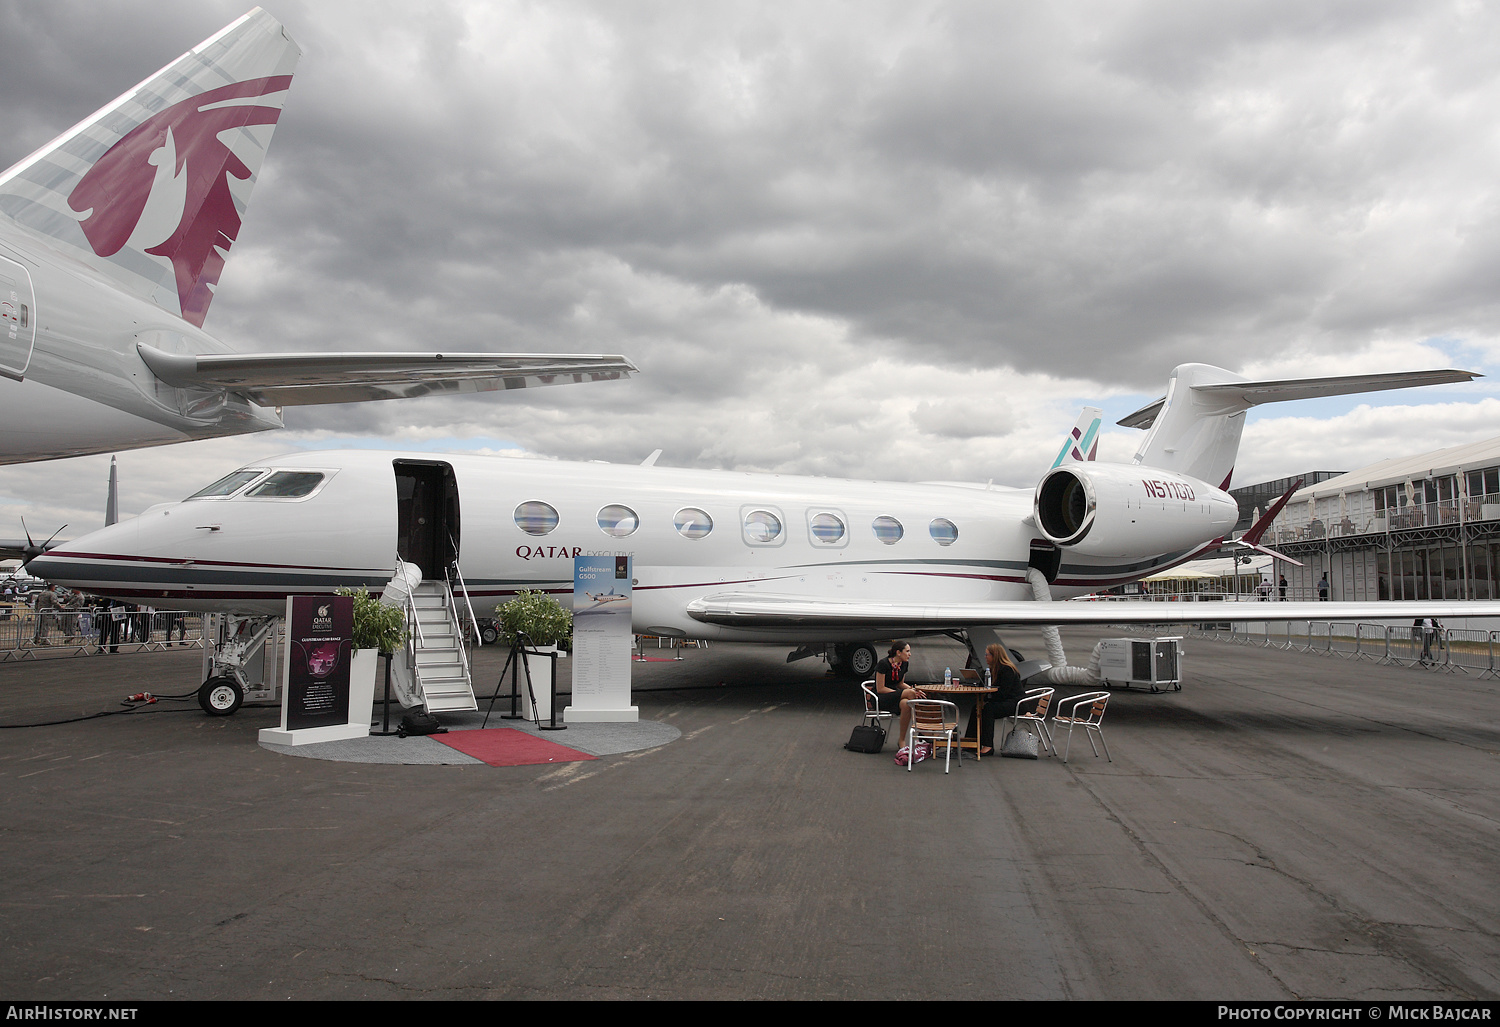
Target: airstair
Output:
{"points": [[435, 656]]}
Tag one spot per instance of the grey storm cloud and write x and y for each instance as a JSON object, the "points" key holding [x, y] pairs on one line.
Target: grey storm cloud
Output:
{"points": [[833, 235]]}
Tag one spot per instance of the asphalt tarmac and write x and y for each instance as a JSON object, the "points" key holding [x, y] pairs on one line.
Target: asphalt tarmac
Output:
{"points": [[1287, 826]]}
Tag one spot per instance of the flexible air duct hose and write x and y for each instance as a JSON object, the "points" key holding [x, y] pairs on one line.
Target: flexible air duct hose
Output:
{"points": [[1061, 673]]}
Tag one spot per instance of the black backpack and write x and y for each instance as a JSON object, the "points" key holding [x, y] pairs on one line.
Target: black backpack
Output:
{"points": [[419, 722], [866, 738]]}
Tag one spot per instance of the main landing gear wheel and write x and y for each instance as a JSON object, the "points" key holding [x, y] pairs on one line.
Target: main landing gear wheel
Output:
{"points": [[861, 660], [220, 696], [489, 635]]}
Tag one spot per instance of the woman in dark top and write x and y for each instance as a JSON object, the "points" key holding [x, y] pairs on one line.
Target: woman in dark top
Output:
{"points": [[1006, 678], [890, 693]]}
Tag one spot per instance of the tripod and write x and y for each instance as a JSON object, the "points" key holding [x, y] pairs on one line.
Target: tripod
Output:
{"points": [[513, 663]]}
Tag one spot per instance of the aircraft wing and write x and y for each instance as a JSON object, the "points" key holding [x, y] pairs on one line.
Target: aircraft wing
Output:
{"points": [[301, 379], [763, 610]]}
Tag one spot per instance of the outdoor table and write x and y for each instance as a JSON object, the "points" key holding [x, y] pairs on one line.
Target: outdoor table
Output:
{"points": [[955, 691]]}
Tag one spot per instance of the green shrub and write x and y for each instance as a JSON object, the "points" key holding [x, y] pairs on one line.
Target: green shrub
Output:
{"points": [[541, 617], [376, 626]]}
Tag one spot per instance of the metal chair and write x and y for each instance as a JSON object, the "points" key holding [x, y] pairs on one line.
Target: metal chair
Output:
{"points": [[873, 713], [1038, 716], [1089, 721], [934, 719]]}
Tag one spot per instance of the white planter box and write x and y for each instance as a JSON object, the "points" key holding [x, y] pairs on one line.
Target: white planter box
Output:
{"points": [[362, 671], [1490, 511]]}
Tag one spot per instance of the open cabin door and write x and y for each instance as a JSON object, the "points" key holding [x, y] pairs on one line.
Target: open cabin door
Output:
{"points": [[427, 515]]}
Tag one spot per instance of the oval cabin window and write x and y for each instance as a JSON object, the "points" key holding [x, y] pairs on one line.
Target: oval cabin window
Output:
{"points": [[888, 530], [692, 522], [762, 526], [944, 532], [827, 528], [618, 521], [536, 518]]}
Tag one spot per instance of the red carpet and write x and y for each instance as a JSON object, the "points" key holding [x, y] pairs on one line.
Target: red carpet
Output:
{"points": [[507, 747]]}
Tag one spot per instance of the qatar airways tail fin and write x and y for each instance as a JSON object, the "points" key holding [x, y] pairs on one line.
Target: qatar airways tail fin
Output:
{"points": [[149, 189], [1082, 443], [1195, 428]]}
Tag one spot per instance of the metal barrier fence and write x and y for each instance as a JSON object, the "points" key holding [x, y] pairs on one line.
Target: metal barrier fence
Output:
{"points": [[27, 634], [1467, 650]]}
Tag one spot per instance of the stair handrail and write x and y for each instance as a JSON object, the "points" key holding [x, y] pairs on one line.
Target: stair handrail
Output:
{"points": [[409, 605], [463, 652], [473, 620]]}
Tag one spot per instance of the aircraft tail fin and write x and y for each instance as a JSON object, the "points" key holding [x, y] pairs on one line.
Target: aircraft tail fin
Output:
{"points": [[1082, 443], [1195, 428], [149, 189]]}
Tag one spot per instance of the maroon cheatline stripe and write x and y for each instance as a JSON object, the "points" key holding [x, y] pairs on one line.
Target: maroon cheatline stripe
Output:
{"points": [[179, 561]]}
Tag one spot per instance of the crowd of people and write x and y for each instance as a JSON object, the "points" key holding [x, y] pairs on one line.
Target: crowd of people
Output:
{"points": [[63, 617]]}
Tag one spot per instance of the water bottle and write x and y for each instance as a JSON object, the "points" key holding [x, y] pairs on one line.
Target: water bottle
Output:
{"points": [[948, 677]]}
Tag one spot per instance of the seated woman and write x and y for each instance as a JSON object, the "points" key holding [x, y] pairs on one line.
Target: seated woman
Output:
{"points": [[889, 691], [1006, 678]]}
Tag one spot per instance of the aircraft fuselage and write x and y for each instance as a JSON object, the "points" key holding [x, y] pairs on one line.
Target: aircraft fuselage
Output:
{"points": [[519, 524], [72, 381]]}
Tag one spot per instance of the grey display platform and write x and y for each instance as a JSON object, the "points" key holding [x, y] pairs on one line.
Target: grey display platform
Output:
{"points": [[594, 739], [1286, 827]]}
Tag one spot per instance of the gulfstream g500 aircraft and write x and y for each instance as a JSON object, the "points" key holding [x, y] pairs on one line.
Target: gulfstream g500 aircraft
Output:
{"points": [[112, 240], [729, 555]]}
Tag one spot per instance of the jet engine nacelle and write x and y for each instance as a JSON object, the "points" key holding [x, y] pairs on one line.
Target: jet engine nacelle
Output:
{"points": [[1128, 510]]}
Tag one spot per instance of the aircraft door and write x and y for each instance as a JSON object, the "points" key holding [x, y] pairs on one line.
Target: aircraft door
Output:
{"points": [[17, 319], [427, 515]]}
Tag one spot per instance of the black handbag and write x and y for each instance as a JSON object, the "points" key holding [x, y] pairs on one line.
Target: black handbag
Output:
{"points": [[867, 738]]}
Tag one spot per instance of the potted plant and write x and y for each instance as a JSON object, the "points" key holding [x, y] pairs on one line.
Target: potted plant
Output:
{"points": [[378, 630], [549, 626]]}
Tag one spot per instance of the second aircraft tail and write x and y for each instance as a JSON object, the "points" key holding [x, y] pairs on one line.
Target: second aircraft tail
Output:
{"points": [[148, 190]]}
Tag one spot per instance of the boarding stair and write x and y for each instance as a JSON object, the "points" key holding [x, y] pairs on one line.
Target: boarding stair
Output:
{"points": [[440, 665]]}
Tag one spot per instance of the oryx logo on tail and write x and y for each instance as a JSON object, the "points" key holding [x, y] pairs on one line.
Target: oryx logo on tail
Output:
{"points": [[164, 187]]}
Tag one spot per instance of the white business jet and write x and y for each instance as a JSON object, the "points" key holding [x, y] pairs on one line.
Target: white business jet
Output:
{"points": [[729, 555], [112, 240]]}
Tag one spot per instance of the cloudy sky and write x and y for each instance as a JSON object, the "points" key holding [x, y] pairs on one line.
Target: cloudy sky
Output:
{"points": [[900, 240]]}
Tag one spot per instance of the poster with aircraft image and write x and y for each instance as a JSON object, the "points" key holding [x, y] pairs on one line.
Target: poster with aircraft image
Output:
{"points": [[602, 638]]}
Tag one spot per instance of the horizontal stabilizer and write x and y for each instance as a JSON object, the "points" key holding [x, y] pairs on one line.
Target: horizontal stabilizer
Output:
{"points": [[302, 379], [758, 610], [1244, 395]]}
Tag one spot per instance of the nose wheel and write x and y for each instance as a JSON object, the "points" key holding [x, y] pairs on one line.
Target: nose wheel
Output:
{"points": [[220, 696]]}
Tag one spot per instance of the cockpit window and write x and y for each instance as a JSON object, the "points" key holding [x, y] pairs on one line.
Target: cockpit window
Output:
{"points": [[230, 483], [286, 485]]}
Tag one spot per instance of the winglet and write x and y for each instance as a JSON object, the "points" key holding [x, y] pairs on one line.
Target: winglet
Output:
{"points": [[1082, 443]]}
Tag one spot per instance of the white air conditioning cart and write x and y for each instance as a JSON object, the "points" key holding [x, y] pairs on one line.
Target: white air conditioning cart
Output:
{"points": [[1154, 663]]}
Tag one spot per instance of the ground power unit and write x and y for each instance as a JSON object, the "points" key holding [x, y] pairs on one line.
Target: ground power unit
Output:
{"points": [[1154, 663]]}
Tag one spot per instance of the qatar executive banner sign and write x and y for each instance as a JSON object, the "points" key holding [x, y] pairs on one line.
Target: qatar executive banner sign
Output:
{"points": [[319, 646], [602, 638]]}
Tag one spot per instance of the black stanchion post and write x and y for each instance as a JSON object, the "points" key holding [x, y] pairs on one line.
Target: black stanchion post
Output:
{"points": [[552, 724], [385, 722]]}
